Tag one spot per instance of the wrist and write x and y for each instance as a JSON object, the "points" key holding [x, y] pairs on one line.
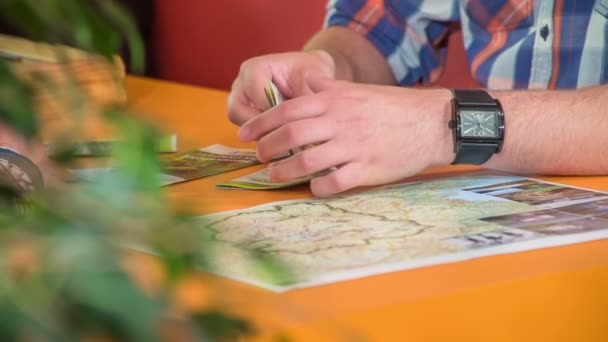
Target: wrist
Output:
{"points": [[443, 149]]}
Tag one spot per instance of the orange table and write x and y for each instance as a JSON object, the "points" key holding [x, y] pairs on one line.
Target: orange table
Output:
{"points": [[553, 294]]}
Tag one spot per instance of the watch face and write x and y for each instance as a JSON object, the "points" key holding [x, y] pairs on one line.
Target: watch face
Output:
{"points": [[478, 124]]}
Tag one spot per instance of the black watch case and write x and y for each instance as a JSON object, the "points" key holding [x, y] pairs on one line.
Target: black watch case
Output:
{"points": [[461, 134]]}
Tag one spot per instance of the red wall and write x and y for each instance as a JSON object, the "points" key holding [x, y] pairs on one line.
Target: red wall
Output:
{"points": [[204, 42]]}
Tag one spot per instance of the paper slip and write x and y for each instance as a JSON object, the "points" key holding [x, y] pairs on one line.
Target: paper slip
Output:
{"points": [[166, 144], [207, 161], [260, 180], [273, 94]]}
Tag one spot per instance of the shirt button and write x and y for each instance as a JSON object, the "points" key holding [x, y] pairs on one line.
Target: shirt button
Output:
{"points": [[544, 32]]}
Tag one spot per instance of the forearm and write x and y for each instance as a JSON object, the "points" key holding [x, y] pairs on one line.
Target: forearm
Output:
{"points": [[554, 132], [356, 59]]}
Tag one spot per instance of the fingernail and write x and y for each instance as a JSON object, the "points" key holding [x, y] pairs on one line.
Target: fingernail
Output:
{"points": [[244, 134]]}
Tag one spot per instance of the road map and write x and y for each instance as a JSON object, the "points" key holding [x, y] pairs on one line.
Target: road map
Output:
{"points": [[405, 226]]}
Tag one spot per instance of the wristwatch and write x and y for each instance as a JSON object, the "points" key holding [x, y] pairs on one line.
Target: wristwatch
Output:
{"points": [[478, 126], [18, 172]]}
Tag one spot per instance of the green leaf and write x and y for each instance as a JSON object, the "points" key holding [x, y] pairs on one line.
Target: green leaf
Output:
{"points": [[110, 302], [125, 24], [16, 103], [25, 17], [78, 289], [270, 266], [135, 155], [219, 326]]}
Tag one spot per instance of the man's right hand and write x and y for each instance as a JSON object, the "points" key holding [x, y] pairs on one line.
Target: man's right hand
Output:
{"points": [[289, 72]]}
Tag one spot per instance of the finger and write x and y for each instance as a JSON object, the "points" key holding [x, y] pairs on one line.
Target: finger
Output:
{"points": [[319, 84], [240, 109], [309, 161], [301, 86], [247, 97], [254, 74], [293, 135], [288, 111], [344, 178]]}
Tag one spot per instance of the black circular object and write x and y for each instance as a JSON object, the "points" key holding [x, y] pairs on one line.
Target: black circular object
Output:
{"points": [[19, 172]]}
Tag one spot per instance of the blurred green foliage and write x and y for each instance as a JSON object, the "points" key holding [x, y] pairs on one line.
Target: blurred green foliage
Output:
{"points": [[62, 273]]}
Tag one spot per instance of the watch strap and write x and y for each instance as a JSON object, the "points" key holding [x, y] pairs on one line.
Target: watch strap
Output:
{"points": [[475, 153], [473, 97]]}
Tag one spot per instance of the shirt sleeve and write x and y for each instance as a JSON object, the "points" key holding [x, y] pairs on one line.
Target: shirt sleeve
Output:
{"points": [[406, 32]]}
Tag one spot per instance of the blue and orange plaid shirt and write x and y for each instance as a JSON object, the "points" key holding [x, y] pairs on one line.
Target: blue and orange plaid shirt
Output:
{"points": [[538, 44]]}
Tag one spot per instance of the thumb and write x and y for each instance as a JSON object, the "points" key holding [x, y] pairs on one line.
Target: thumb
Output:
{"points": [[302, 84]]}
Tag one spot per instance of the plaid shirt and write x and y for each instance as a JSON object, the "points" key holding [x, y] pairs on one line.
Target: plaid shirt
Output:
{"points": [[543, 44]]}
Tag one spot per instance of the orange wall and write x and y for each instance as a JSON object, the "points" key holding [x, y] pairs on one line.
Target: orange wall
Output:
{"points": [[204, 42]]}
